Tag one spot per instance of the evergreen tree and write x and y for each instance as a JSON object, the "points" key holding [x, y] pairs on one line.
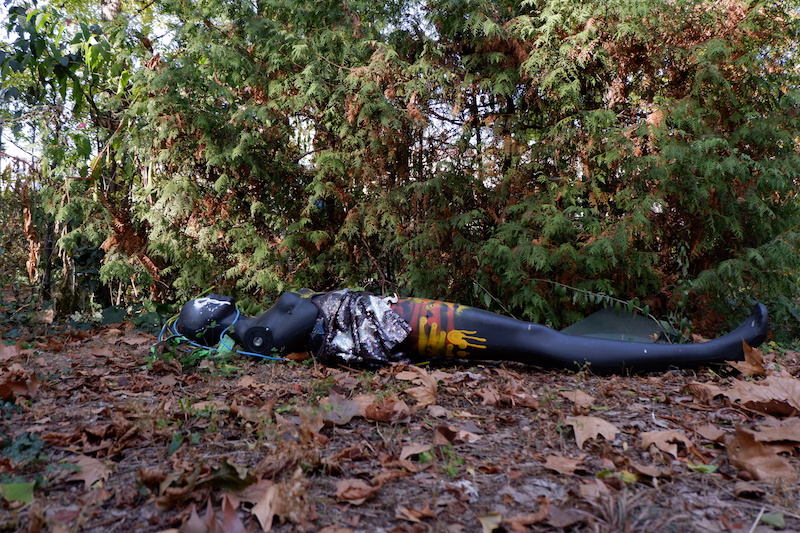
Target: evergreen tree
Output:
{"points": [[543, 154]]}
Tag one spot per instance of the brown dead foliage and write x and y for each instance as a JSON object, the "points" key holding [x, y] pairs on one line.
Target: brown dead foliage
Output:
{"points": [[118, 444]]}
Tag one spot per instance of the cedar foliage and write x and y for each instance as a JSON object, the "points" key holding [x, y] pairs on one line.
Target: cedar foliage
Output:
{"points": [[472, 151]]}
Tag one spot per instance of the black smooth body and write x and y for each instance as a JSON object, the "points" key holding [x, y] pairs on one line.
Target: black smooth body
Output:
{"points": [[288, 324]]}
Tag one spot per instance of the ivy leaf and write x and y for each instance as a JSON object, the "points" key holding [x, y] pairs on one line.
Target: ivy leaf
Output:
{"points": [[17, 492]]}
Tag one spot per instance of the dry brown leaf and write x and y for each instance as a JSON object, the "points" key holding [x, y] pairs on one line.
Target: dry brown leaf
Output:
{"points": [[17, 382], [413, 449], [414, 515], [287, 501], [753, 364], [517, 395], [339, 409], [490, 522], [489, 395], [344, 379], [665, 440], [91, 470], [593, 489], [424, 395], [384, 410], [231, 523], [758, 459], [787, 430], [437, 411], [647, 470], [704, 392], [425, 392], [7, 352], [589, 427], [774, 395], [711, 432], [406, 375], [101, 352], [194, 524], [444, 435], [137, 340], [563, 465], [520, 522], [247, 382], [355, 491], [578, 397]]}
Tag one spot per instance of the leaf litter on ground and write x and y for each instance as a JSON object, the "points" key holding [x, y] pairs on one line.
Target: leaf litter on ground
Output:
{"points": [[286, 447]]}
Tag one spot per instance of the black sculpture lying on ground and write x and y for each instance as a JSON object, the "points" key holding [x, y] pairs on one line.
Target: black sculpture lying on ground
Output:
{"points": [[362, 329]]}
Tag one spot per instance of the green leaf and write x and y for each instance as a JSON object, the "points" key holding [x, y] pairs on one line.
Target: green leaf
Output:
{"points": [[175, 443], [775, 520], [705, 469], [17, 492]]}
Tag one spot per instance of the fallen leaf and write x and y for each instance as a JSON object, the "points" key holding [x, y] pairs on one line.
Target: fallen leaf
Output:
{"points": [[194, 524], [751, 491], [138, 340], [646, 470], [91, 470], [231, 523], [490, 522], [425, 393], [489, 396], [787, 430], [758, 459], [444, 435], [413, 449], [665, 440], [520, 522], [385, 410], [17, 492], [753, 364], [414, 515], [101, 352], [355, 491], [339, 409], [17, 382], [247, 382], [517, 395], [590, 427], [7, 352], [265, 509], [437, 411], [563, 465], [288, 501], [344, 379], [711, 432], [593, 489], [578, 397], [774, 395]]}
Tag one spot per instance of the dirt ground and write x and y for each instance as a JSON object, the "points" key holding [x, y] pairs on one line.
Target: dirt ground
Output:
{"points": [[98, 435]]}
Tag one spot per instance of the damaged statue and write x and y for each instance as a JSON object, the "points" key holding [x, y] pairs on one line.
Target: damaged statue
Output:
{"points": [[362, 329]]}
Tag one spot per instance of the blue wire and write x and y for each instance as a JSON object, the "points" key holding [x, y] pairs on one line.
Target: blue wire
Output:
{"points": [[170, 324]]}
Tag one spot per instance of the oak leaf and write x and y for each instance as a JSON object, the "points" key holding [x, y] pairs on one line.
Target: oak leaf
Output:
{"points": [[753, 364], [563, 465], [7, 352], [589, 427], [758, 459], [665, 440], [578, 397], [355, 491], [91, 470]]}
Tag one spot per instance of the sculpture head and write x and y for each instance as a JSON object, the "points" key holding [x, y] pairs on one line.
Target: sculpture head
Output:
{"points": [[204, 320]]}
